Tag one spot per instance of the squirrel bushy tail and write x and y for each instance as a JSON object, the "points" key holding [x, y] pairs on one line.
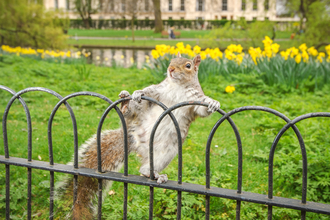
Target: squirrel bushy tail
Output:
{"points": [[112, 148]]}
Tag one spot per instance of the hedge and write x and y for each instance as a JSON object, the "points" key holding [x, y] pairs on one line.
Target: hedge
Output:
{"points": [[147, 24]]}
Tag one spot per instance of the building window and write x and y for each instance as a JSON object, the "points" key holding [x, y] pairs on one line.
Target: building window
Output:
{"points": [[223, 17], [112, 6], [56, 4], [123, 5], [170, 18], [255, 5], [182, 5], [67, 5], [170, 5], [266, 4], [254, 18], [146, 5], [200, 5], [100, 4], [181, 18], [243, 5], [224, 5]]}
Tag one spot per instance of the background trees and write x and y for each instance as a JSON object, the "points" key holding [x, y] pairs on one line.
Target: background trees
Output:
{"points": [[28, 24], [158, 16], [127, 8], [314, 20], [124, 8], [85, 9]]}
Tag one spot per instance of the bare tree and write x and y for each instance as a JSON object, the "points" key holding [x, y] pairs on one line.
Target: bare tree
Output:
{"points": [[128, 8], [85, 8], [158, 16]]}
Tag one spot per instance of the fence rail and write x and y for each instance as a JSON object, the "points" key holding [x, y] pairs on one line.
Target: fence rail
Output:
{"points": [[178, 186]]}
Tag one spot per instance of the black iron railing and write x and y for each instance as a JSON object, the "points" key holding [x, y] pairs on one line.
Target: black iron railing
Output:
{"points": [[179, 186]]}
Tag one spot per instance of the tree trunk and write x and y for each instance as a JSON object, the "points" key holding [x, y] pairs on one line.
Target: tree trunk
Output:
{"points": [[303, 15], [132, 27], [158, 16], [86, 22]]}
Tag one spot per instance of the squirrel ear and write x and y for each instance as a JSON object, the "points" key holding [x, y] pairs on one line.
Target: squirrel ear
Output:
{"points": [[179, 54], [197, 60]]}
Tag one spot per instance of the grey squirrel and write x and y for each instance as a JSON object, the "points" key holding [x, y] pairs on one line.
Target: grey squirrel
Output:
{"points": [[181, 84]]}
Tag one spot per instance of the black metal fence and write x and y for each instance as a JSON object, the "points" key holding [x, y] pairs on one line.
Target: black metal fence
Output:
{"points": [[178, 186]]}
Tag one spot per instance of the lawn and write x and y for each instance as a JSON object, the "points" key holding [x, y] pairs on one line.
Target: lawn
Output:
{"points": [[150, 33], [124, 43], [137, 33], [150, 39], [257, 129]]}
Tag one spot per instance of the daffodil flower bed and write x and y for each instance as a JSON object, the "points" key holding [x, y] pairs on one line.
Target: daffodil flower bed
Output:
{"points": [[49, 55], [292, 68]]}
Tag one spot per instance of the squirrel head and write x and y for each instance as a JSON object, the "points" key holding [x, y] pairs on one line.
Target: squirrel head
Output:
{"points": [[182, 70]]}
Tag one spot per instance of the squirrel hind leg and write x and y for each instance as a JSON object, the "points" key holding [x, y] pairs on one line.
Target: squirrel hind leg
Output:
{"points": [[161, 178]]}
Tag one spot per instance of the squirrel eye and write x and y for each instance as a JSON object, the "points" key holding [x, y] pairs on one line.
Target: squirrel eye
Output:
{"points": [[188, 65]]}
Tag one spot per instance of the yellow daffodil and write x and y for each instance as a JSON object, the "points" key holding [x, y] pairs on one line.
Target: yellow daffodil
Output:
{"points": [[197, 49], [305, 56], [154, 54], [312, 51], [298, 58], [230, 89], [303, 47], [327, 49], [267, 41]]}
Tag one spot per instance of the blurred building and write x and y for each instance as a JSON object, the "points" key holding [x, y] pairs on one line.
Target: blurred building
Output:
{"points": [[182, 9]]}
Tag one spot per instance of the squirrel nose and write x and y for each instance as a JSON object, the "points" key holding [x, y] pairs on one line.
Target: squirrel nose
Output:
{"points": [[171, 69]]}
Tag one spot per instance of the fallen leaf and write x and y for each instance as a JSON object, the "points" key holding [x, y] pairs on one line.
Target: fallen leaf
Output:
{"points": [[111, 192]]}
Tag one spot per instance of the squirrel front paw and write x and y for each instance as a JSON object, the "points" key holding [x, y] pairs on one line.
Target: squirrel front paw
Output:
{"points": [[136, 96], [124, 105], [124, 94], [213, 105]]}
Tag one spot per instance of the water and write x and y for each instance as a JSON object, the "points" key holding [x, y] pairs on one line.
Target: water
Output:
{"points": [[119, 57]]}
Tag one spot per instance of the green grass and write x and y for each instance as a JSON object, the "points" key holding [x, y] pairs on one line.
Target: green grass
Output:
{"points": [[128, 42], [150, 33], [257, 129], [128, 33], [149, 38]]}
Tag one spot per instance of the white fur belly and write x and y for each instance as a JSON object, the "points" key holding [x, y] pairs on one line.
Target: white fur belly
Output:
{"points": [[166, 134]]}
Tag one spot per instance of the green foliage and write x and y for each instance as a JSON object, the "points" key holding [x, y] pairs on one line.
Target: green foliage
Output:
{"points": [[83, 71], [288, 159], [289, 74], [252, 33], [257, 129], [29, 24], [146, 23], [85, 9], [314, 20], [317, 26]]}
